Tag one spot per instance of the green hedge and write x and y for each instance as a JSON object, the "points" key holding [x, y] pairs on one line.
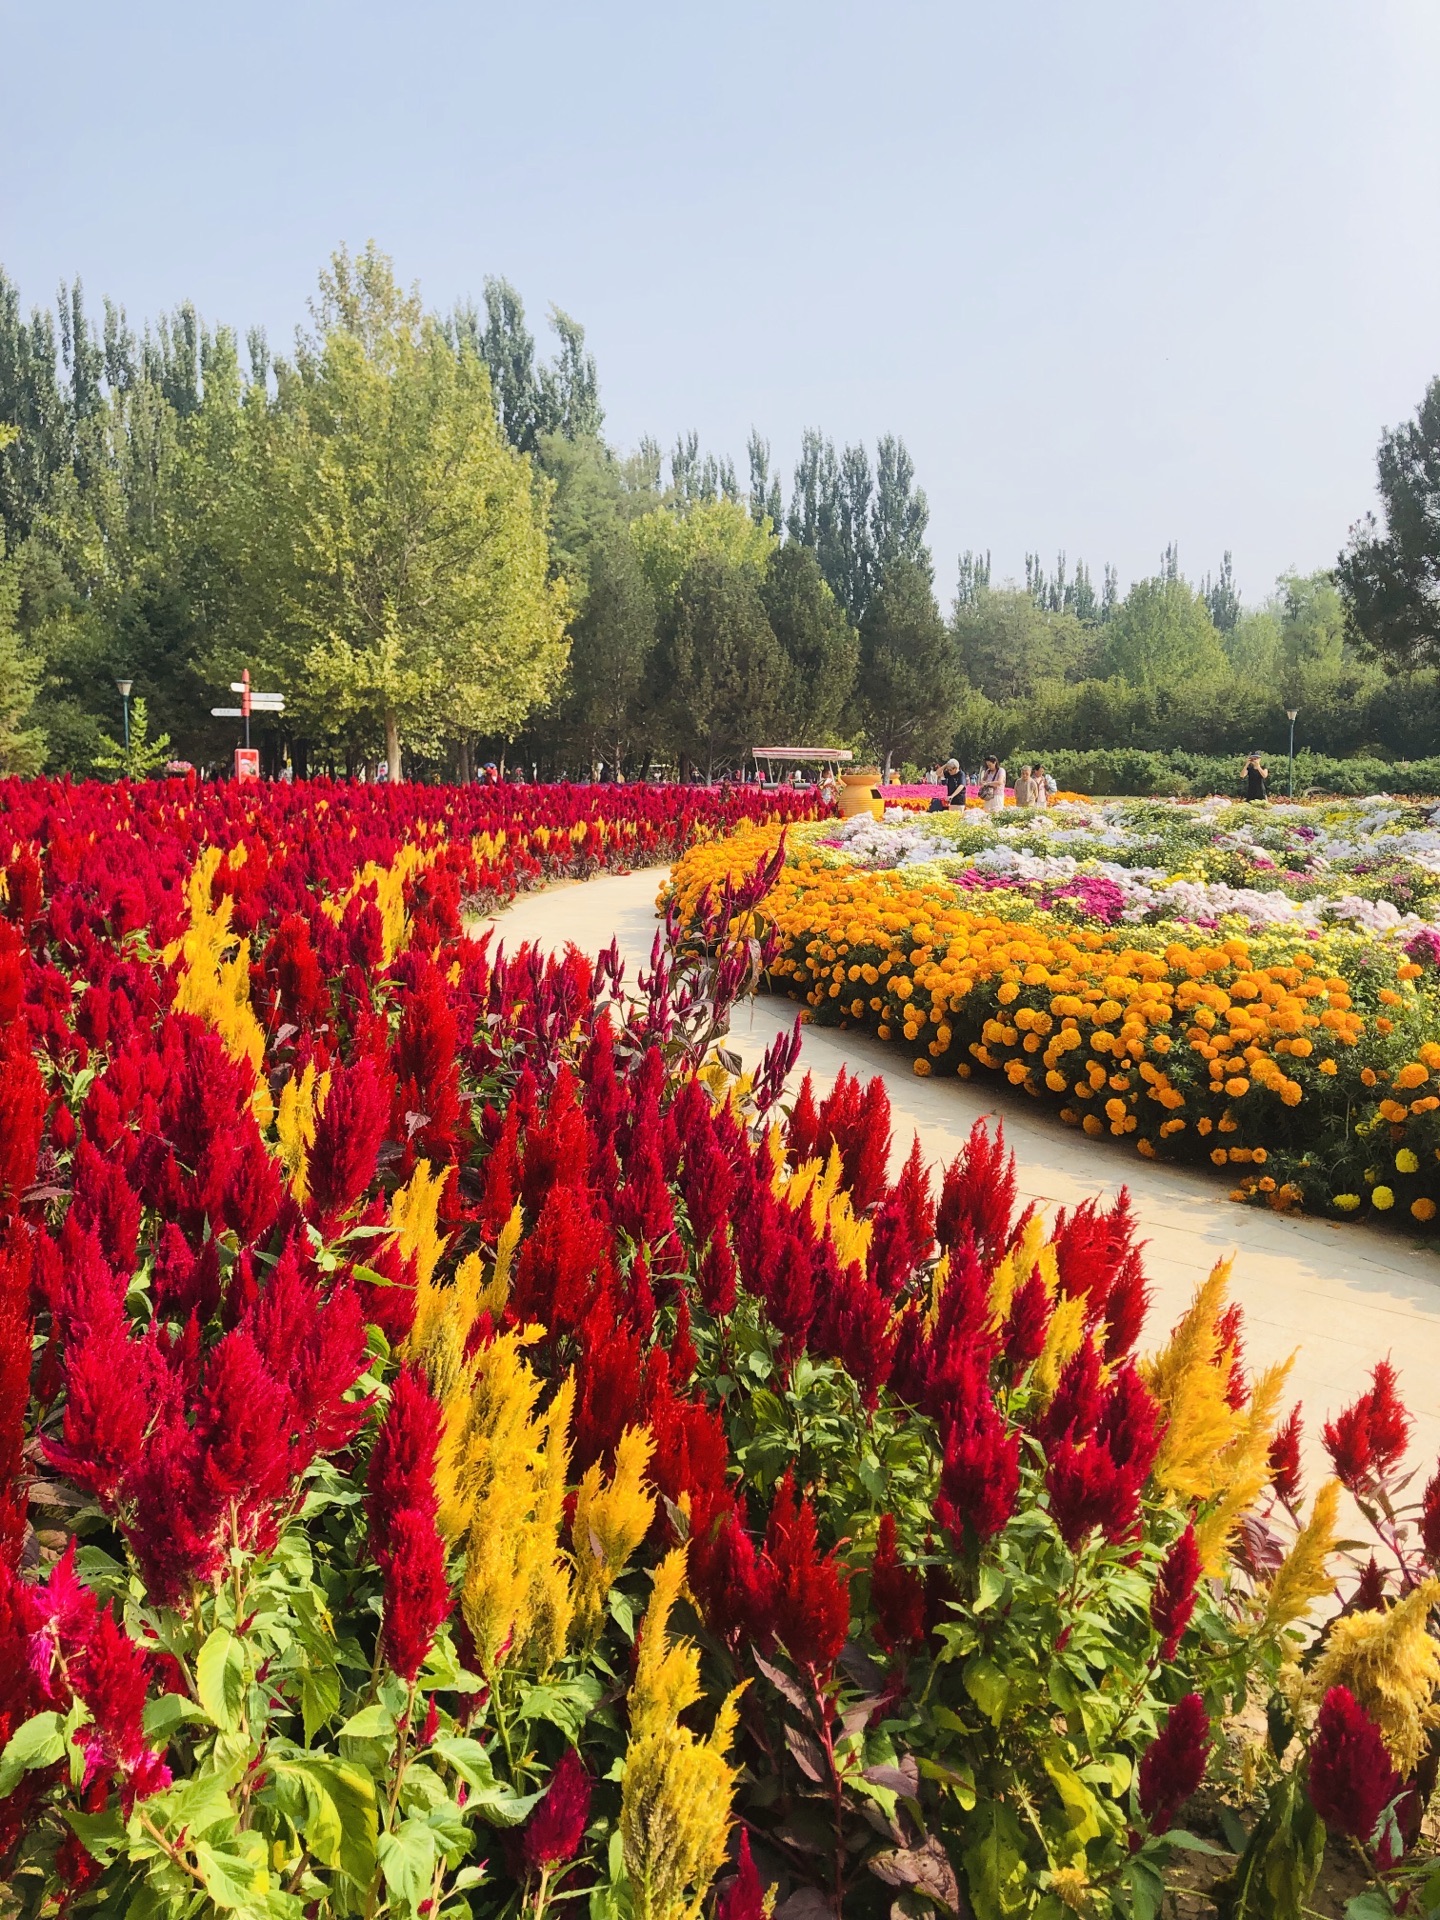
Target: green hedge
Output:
{"points": [[1133, 770]]}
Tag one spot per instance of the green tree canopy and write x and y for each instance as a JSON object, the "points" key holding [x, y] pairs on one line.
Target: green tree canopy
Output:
{"points": [[417, 598], [724, 675], [910, 678], [669, 542], [22, 746], [1391, 578], [1162, 634], [1008, 645], [820, 645]]}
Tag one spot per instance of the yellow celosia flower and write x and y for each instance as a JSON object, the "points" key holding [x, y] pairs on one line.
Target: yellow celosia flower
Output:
{"points": [[1304, 1574], [1189, 1380], [500, 1477], [675, 1801], [1243, 1468], [445, 1316], [214, 982], [414, 1217], [1063, 1339], [610, 1523], [1072, 1886], [1391, 1663], [302, 1101]]}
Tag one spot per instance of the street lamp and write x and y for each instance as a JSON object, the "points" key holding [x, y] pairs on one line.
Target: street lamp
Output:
{"points": [[124, 687], [1290, 713]]}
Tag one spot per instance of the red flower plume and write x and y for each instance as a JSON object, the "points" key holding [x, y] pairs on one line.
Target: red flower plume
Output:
{"points": [[1173, 1601], [1351, 1779], [1285, 1457], [812, 1607], [897, 1594], [1173, 1765], [1368, 1439], [404, 1536], [553, 1833]]}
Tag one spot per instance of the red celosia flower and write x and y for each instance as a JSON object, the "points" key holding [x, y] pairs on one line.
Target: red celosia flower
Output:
{"points": [[1430, 1520], [404, 1536], [1173, 1601], [15, 1346], [1369, 1593], [22, 1115], [1087, 1490], [1173, 1765], [978, 1194], [1230, 1331], [897, 1593], [904, 1234], [1126, 1306], [563, 1262], [347, 1139], [980, 1474], [553, 1833], [802, 1129], [744, 1898], [857, 1121], [1368, 1439], [1024, 1331], [812, 1607], [1285, 1457], [1351, 1780], [734, 1583]]}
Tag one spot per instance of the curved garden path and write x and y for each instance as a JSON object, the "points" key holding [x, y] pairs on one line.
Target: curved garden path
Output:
{"points": [[1346, 1296]]}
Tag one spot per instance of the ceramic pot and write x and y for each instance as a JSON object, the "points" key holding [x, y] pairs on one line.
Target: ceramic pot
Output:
{"points": [[860, 793]]}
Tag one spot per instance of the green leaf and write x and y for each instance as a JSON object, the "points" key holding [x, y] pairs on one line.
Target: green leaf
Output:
{"points": [[988, 1687], [407, 1859], [39, 1742], [220, 1678], [375, 1722], [319, 1698], [166, 1712], [994, 1863], [1147, 1888], [234, 1874], [1082, 1810], [101, 1834], [992, 1586], [352, 1793], [1369, 1905]]}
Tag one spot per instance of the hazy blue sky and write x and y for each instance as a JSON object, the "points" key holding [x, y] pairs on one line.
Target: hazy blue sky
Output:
{"points": [[1118, 273]]}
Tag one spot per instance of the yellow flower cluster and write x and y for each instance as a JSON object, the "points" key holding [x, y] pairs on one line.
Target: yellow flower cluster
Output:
{"points": [[675, 1802], [1212, 1453], [1390, 1661], [1187, 1049], [214, 978]]}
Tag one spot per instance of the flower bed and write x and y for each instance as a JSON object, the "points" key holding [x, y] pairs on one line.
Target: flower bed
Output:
{"points": [[460, 1455], [1306, 1066]]}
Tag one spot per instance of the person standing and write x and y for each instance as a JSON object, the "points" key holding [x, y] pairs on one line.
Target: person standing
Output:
{"points": [[1256, 779], [992, 785], [1042, 786], [1023, 794]]}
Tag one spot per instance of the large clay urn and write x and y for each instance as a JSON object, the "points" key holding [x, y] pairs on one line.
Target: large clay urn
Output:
{"points": [[859, 793]]}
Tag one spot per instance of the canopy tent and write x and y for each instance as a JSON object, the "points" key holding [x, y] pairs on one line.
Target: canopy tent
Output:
{"points": [[825, 756]]}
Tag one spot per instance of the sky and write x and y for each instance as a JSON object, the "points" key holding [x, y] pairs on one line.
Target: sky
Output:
{"points": [[1118, 274]]}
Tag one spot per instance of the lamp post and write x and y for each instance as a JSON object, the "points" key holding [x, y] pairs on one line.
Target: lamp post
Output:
{"points": [[1290, 713], [124, 687]]}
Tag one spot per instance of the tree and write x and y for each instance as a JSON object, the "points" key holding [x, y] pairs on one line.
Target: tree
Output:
{"points": [[910, 681], [1007, 645], [419, 601], [901, 512], [1391, 579], [612, 639], [668, 542], [822, 648], [530, 400], [137, 758], [22, 747], [764, 486], [1162, 635], [1221, 596], [724, 672]]}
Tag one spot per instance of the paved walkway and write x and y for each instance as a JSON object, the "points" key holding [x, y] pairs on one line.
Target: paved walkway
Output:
{"points": [[1346, 1296]]}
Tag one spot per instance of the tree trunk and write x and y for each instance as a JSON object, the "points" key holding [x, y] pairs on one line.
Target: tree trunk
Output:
{"points": [[465, 768], [392, 747]]}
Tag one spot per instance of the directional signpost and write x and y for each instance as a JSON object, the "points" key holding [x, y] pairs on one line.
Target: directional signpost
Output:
{"points": [[247, 758]]}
